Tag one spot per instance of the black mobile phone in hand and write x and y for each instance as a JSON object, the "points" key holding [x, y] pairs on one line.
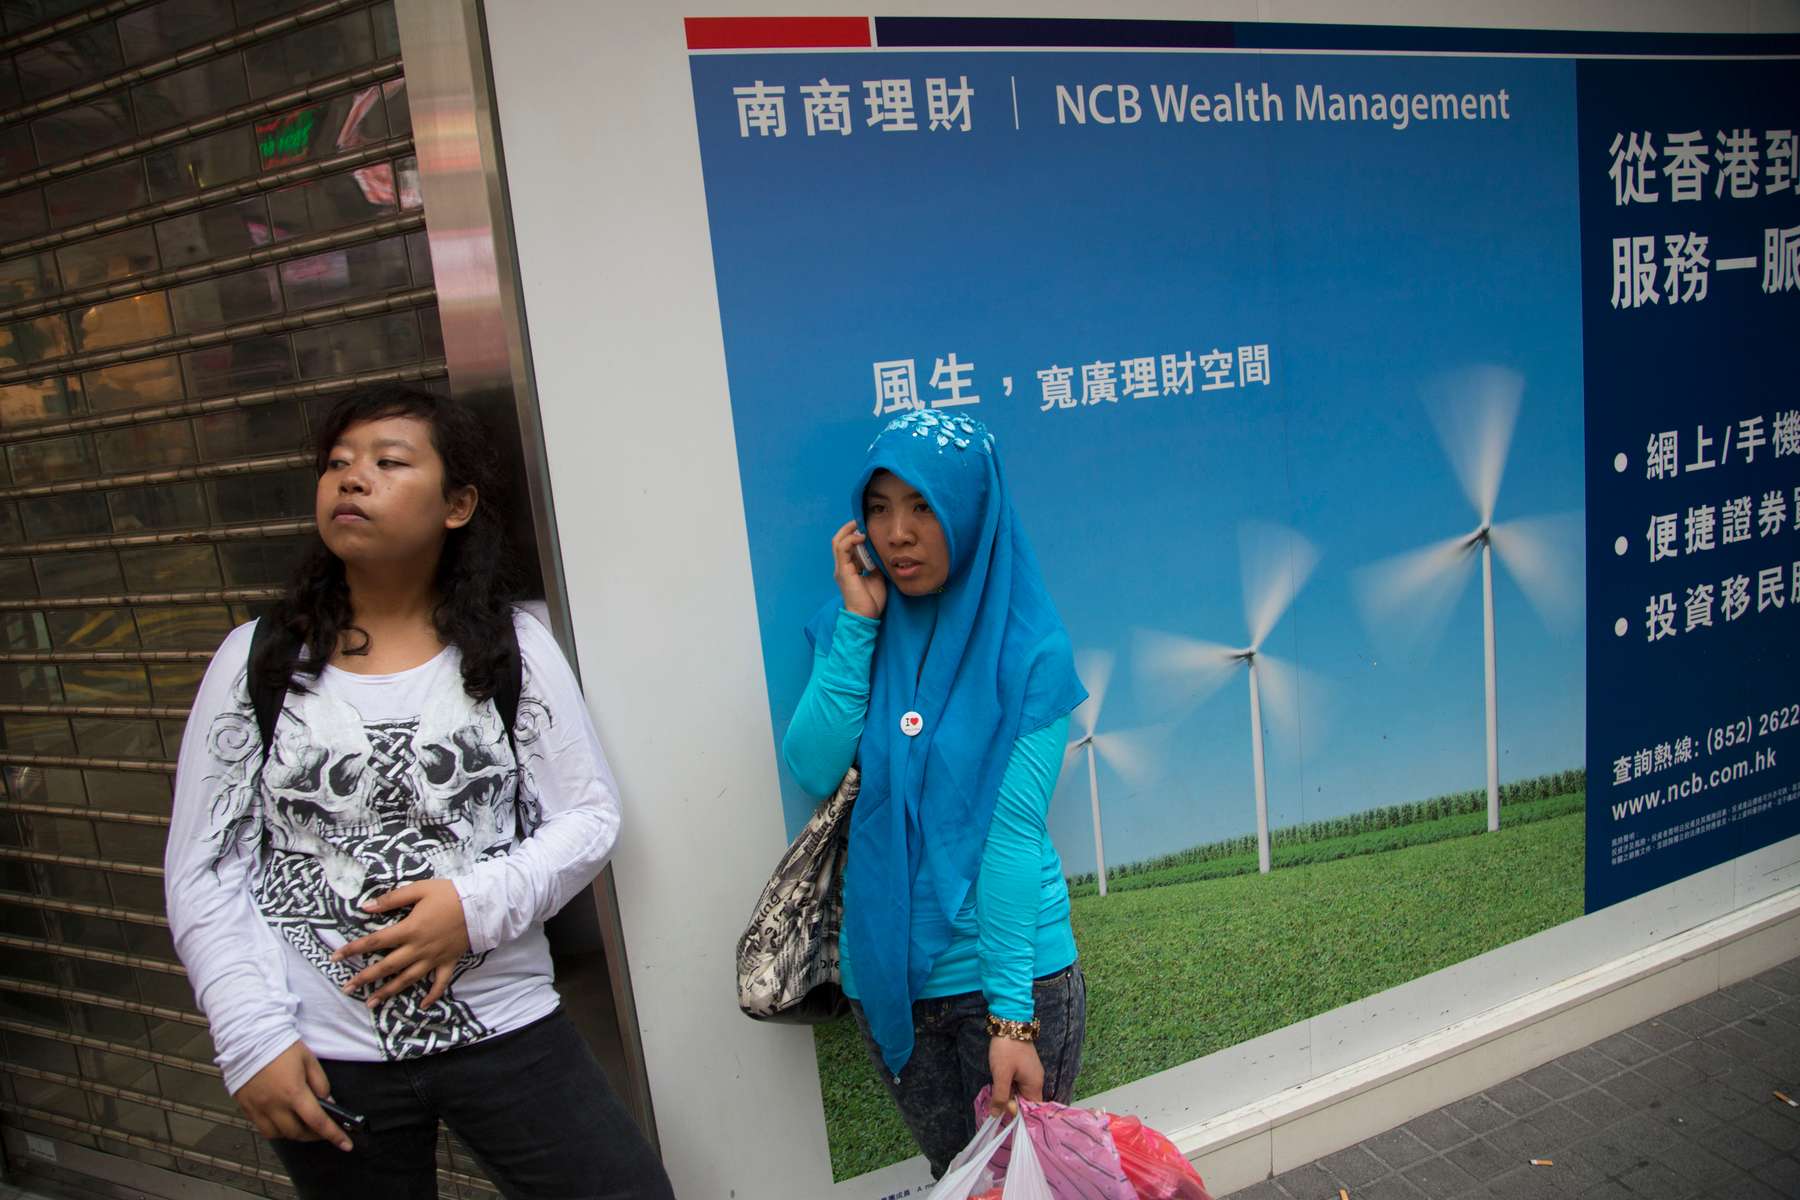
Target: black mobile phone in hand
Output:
{"points": [[864, 559], [351, 1123]]}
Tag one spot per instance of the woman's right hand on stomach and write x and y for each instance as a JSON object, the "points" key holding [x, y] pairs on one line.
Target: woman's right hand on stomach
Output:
{"points": [[864, 595], [282, 1099]]}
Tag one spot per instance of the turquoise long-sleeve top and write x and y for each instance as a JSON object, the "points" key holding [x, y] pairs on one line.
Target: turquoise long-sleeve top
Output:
{"points": [[1014, 927]]}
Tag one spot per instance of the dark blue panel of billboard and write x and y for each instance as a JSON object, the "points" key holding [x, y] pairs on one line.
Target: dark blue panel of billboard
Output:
{"points": [[1690, 233]]}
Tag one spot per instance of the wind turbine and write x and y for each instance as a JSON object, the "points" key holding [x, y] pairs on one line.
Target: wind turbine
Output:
{"points": [[1474, 412], [1274, 565], [1120, 750]]}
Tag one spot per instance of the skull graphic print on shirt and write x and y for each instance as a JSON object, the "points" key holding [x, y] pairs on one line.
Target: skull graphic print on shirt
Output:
{"points": [[345, 810]]}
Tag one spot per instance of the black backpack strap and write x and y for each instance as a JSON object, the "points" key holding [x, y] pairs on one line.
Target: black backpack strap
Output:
{"points": [[510, 685], [266, 699]]}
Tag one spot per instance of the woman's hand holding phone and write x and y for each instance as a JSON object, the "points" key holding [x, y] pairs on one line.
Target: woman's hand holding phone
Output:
{"points": [[864, 595], [282, 1099]]}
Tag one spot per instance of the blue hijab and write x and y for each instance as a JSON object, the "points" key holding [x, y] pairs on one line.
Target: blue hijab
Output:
{"points": [[984, 662]]}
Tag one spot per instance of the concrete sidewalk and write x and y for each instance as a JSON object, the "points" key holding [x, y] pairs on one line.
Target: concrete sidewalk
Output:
{"points": [[1683, 1105]]}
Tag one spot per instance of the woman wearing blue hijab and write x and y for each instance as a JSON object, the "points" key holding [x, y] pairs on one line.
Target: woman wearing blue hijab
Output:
{"points": [[946, 676]]}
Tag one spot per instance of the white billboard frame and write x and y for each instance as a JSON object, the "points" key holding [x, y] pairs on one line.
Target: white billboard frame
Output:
{"points": [[603, 170]]}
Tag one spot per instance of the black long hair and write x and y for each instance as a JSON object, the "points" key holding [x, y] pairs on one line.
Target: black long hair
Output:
{"points": [[476, 581]]}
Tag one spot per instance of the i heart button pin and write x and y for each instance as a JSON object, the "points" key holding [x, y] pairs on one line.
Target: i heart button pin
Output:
{"points": [[911, 723]]}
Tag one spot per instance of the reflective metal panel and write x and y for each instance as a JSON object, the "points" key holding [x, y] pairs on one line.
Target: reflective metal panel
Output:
{"points": [[67, 62], [122, 322], [261, 430], [358, 345], [164, 568], [94, 629], [167, 443], [106, 683], [169, 506], [102, 260], [37, 400], [313, 52], [22, 212], [174, 683], [73, 132], [17, 153], [78, 574], [215, 302], [320, 128], [339, 276], [214, 232], [203, 163], [133, 385], [29, 684], [95, 194], [184, 628], [262, 497], [158, 30], [188, 95], [246, 564], [246, 364], [44, 462], [9, 85], [34, 341], [24, 631], [27, 278], [333, 201], [48, 517]]}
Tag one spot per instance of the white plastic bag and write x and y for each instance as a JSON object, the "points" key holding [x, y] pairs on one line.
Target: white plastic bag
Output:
{"points": [[1024, 1177], [969, 1175]]}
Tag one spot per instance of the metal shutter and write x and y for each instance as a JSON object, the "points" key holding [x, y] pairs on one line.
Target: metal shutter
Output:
{"points": [[210, 225]]}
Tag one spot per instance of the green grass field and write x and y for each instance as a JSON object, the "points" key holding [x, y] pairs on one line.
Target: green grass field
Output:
{"points": [[1190, 959]]}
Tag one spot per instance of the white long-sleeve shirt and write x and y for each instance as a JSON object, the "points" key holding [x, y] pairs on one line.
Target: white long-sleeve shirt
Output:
{"points": [[374, 781]]}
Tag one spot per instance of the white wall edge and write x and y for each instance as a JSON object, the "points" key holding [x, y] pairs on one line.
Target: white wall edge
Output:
{"points": [[1338, 1109]]}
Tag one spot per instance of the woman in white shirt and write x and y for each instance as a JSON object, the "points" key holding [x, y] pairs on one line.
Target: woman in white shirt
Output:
{"points": [[359, 891]]}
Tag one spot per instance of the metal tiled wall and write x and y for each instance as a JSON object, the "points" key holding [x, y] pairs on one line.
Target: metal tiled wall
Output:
{"points": [[210, 225]]}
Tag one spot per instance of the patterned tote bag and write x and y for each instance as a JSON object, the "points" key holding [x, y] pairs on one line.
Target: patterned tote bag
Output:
{"points": [[787, 960]]}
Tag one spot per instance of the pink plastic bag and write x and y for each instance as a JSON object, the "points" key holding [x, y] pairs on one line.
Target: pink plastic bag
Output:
{"points": [[1074, 1149], [1155, 1167]]}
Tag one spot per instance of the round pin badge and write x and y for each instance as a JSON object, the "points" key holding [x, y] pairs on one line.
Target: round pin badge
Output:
{"points": [[911, 723]]}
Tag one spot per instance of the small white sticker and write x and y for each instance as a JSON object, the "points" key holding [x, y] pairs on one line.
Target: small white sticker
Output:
{"points": [[911, 723], [40, 1147]]}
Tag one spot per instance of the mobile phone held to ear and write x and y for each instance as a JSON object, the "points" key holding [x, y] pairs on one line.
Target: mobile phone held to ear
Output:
{"points": [[349, 1122], [864, 559]]}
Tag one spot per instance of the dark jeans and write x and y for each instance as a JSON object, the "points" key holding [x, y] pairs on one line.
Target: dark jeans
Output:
{"points": [[949, 1064], [532, 1104]]}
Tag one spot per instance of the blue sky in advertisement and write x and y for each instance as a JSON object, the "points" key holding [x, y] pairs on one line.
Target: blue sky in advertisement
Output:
{"points": [[1377, 265]]}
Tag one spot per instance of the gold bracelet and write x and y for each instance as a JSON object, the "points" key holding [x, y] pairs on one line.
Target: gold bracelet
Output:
{"points": [[1018, 1031]]}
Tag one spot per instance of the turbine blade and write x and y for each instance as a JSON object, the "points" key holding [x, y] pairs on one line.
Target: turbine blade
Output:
{"points": [[1405, 600], [1095, 668], [1545, 556], [1275, 563], [1126, 753], [1474, 410], [1294, 701], [1176, 672]]}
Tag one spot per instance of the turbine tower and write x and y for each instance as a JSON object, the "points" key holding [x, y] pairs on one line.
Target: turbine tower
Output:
{"points": [[1275, 563], [1474, 412], [1120, 750]]}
